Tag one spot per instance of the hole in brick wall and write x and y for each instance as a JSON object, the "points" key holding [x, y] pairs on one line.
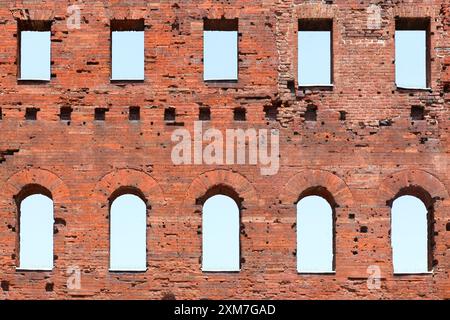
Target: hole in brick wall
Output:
{"points": [[311, 113], [170, 114], [65, 113], [351, 216], [342, 115], [49, 287], [447, 227], [291, 86], [240, 114], [100, 114], [31, 113], [364, 229], [271, 112], [204, 114], [5, 285], [168, 296], [1, 114], [417, 113], [134, 114]]}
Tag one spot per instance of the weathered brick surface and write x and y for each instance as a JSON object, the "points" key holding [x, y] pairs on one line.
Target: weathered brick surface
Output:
{"points": [[363, 161]]}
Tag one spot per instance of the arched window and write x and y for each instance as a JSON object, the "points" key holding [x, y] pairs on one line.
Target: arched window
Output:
{"points": [[409, 235], [221, 235], [36, 233], [315, 235], [128, 242]]}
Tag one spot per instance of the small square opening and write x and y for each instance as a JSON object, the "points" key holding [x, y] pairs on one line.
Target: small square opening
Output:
{"points": [[311, 113], [170, 114], [417, 113], [100, 114], [65, 113], [134, 114], [31, 113], [204, 114], [240, 114]]}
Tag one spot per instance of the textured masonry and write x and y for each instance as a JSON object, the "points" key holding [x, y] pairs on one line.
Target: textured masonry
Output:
{"points": [[362, 151]]}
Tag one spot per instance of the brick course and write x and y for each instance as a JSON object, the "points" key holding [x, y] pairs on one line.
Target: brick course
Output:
{"points": [[363, 161]]}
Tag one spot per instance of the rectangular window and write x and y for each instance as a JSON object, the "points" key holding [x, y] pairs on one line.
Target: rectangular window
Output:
{"points": [[35, 50], [127, 50], [412, 56], [220, 50], [315, 52]]}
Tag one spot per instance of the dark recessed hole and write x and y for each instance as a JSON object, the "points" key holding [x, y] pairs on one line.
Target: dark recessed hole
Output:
{"points": [[170, 114], [417, 113], [342, 115], [240, 114], [204, 114], [100, 114], [271, 112], [31, 113], [65, 113], [311, 113], [49, 287], [134, 114]]}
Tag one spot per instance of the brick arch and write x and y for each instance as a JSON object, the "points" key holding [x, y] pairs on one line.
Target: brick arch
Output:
{"points": [[413, 182], [128, 180], [318, 182], [232, 183], [31, 181], [37, 177]]}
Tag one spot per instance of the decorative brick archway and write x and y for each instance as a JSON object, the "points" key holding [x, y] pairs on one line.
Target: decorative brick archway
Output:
{"points": [[31, 181], [316, 180], [226, 179], [434, 195], [117, 183]]}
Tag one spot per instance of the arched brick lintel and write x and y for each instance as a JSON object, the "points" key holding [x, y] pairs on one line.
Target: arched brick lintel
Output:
{"points": [[40, 177], [124, 179], [393, 185], [309, 179], [234, 181]]}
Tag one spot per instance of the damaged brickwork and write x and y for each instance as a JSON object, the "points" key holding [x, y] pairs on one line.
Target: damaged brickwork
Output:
{"points": [[359, 143]]}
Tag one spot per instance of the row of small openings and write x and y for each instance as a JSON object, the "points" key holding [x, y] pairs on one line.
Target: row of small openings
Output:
{"points": [[240, 114], [221, 53]]}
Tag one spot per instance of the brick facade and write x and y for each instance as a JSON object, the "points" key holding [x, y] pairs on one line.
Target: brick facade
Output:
{"points": [[362, 162]]}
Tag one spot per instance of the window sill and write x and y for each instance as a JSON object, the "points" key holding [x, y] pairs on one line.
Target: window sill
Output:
{"points": [[221, 83], [33, 270], [324, 273], [127, 271], [126, 81], [399, 88], [33, 81], [325, 87], [412, 274], [220, 272]]}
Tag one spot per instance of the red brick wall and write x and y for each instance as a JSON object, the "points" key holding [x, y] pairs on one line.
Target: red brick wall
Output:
{"points": [[361, 161]]}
